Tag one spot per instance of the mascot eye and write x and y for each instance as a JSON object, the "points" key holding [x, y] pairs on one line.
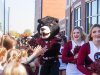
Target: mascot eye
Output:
{"points": [[51, 25], [41, 25]]}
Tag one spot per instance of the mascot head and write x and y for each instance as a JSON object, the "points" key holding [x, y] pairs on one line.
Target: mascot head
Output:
{"points": [[48, 27]]}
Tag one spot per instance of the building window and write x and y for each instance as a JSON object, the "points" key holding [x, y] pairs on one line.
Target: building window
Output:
{"points": [[92, 14], [99, 7], [67, 2], [99, 20], [99, 12], [77, 16], [94, 8]]}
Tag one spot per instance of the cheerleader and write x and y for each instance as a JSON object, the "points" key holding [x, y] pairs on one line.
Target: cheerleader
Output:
{"points": [[89, 54], [70, 52]]}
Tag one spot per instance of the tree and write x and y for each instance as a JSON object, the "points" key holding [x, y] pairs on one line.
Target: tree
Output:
{"points": [[27, 33], [15, 34]]}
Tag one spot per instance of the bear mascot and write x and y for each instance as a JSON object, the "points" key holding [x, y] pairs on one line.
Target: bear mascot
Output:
{"points": [[48, 28]]}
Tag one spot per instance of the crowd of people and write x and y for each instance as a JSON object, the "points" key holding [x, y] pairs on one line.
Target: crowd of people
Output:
{"points": [[13, 61], [78, 56]]}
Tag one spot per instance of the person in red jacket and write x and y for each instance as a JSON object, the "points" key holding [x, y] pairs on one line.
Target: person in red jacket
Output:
{"points": [[70, 51], [88, 61]]}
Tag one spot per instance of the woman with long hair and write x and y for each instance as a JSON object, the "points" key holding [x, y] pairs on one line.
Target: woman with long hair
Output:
{"points": [[88, 61], [71, 49]]}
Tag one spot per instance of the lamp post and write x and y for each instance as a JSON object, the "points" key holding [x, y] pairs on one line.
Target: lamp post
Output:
{"points": [[41, 7], [8, 18], [4, 16]]}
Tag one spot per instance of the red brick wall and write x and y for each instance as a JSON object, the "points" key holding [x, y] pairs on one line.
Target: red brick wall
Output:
{"points": [[54, 8]]}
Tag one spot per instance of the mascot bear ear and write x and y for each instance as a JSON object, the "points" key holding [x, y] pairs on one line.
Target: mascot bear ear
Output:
{"points": [[52, 19], [47, 19], [40, 21]]}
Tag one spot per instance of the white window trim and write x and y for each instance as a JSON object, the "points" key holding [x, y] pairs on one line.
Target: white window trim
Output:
{"points": [[76, 5]]}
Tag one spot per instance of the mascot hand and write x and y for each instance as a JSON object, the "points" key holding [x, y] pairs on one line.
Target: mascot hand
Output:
{"points": [[44, 50], [38, 50]]}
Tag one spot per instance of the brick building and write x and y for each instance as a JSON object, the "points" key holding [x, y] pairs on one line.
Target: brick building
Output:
{"points": [[82, 13]]}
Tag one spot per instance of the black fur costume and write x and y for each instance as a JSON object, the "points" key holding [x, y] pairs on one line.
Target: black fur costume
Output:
{"points": [[49, 61]]}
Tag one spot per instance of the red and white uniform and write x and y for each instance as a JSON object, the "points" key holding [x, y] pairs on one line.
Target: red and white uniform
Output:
{"points": [[86, 55], [68, 56]]}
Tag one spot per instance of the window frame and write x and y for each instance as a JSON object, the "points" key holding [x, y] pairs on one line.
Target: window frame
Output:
{"points": [[77, 16], [90, 16]]}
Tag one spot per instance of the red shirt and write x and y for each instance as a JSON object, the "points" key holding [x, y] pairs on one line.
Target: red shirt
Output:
{"points": [[83, 60], [67, 55]]}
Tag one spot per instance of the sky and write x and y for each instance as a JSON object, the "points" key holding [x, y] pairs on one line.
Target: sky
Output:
{"points": [[21, 15]]}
